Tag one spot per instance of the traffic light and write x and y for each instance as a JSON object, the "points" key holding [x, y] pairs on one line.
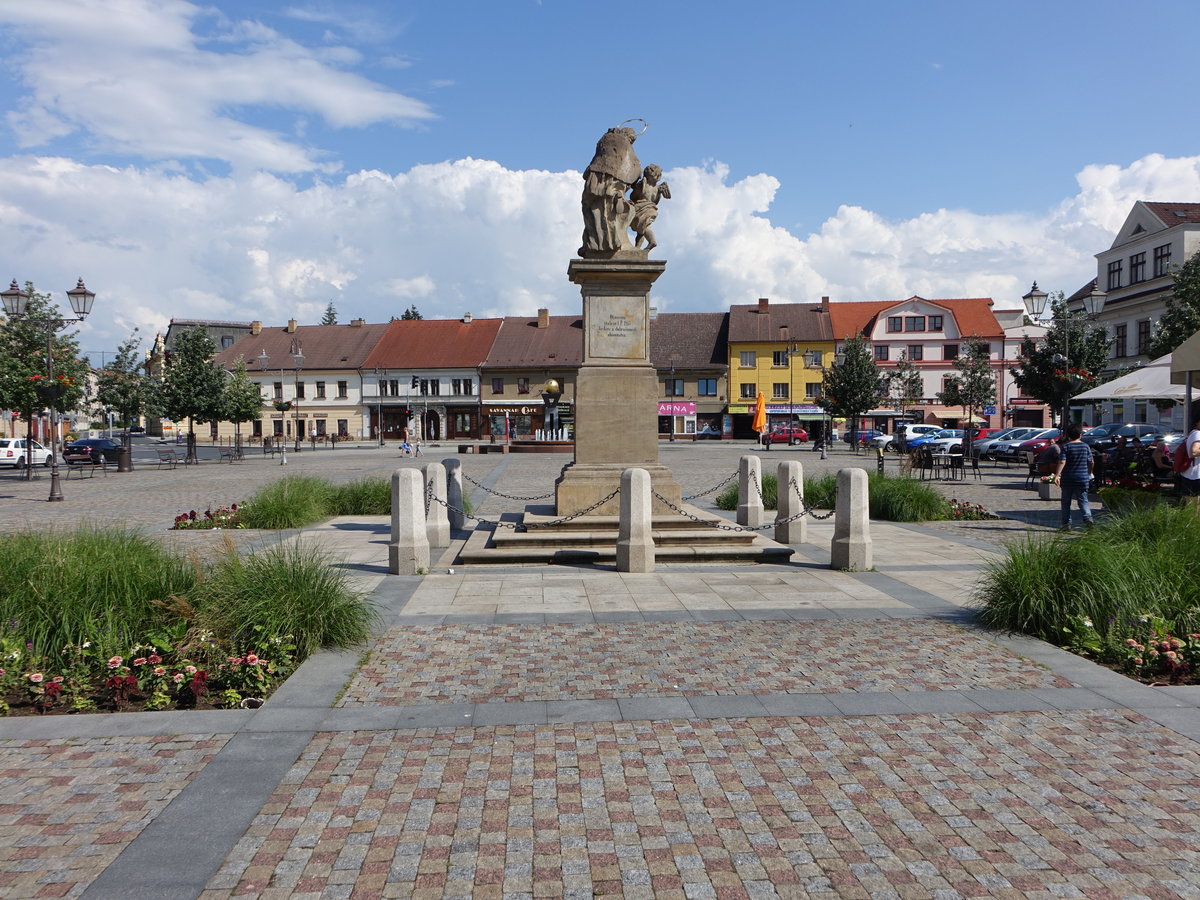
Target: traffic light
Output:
{"points": [[416, 382], [408, 413]]}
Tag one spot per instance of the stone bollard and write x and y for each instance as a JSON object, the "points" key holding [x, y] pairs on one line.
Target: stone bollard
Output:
{"points": [[408, 548], [454, 494], [635, 543], [437, 523], [791, 502], [851, 547], [1049, 490], [750, 508]]}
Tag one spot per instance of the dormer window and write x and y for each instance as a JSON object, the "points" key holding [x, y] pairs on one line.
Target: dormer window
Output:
{"points": [[935, 323], [895, 323], [914, 323]]}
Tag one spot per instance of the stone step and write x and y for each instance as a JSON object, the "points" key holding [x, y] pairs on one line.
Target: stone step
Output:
{"points": [[541, 537]]}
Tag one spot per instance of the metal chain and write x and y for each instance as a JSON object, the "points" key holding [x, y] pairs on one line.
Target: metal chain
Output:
{"points": [[515, 526], [428, 496], [522, 526], [720, 526], [576, 515], [505, 496], [711, 489], [805, 508]]}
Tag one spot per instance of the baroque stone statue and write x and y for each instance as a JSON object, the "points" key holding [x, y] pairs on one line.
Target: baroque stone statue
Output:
{"points": [[608, 213]]}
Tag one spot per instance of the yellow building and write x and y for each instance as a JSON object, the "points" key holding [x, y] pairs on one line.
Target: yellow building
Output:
{"points": [[779, 350]]}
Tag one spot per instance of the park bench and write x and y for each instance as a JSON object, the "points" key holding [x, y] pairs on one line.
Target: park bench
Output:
{"points": [[81, 463], [230, 454], [167, 457]]}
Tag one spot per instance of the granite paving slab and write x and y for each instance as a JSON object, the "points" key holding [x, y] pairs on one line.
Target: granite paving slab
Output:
{"points": [[995, 804], [69, 806], [455, 663]]}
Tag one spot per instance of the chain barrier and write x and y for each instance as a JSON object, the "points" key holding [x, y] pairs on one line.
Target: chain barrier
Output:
{"points": [[575, 515], [521, 526], [805, 508], [505, 496], [515, 526], [428, 496], [715, 487]]}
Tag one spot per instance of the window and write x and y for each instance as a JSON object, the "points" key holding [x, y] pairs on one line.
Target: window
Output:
{"points": [[279, 390], [468, 387], [706, 387], [747, 360], [344, 426], [950, 351], [895, 323], [1120, 341], [394, 387], [464, 424], [522, 385], [320, 390], [1137, 268], [257, 428], [321, 427], [812, 390], [881, 352], [674, 387], [1143, 339], [914, 323], [779, 359], [299, 390], [1114, 274], [947, 381], [916, 352], [432, 386], [1162, 260], [749, 390], [779, 390], [226, 341], [497, 385], [462, 386], [277, 427], [342, 393], [935, 323]]}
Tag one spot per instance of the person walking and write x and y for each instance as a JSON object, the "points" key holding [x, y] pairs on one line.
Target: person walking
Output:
{"points": [[1074, 476]]}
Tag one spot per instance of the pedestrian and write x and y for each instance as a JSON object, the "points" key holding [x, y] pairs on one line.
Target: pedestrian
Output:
{"points": [[1189, 478], [1074, 476]]}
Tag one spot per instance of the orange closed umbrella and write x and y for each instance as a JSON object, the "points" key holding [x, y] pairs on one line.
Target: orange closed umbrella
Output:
{"points": [[760, 414]]}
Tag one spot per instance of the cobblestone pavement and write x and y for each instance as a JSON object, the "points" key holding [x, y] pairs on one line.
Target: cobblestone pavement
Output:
{"points": [[68, 807], [702, 731], [481, 663]]}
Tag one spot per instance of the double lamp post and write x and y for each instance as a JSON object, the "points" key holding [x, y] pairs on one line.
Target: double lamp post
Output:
{"points": [[16, 305], [1093, 305]]}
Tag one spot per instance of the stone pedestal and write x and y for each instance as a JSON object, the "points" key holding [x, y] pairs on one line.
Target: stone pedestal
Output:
{"points": [[851, 547], [790, 481], [617, 391], [635, 542], [1048, 490]]}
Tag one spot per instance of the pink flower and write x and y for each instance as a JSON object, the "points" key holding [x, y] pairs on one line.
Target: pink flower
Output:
{"points": [[1172, 655], [36, 677], [1131, 642], [154, 659], [178, 677], [1138, 660], [191, 670], [251, 659], [140, 661], [57, 679], [115, 662], [159, 670]]}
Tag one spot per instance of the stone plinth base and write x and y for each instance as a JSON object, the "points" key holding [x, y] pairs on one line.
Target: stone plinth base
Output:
{"points": [[581, 485], [1049, 491]]}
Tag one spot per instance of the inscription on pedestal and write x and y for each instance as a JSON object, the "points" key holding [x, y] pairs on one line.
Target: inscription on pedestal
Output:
{"points": [[617, 328]]}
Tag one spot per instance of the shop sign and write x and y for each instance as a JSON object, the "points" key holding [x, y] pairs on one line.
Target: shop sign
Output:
{"points": [[1025, 401], [669, 408]]}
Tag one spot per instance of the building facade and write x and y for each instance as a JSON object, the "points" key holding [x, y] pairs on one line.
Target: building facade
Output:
{"points": [[688, 351]]}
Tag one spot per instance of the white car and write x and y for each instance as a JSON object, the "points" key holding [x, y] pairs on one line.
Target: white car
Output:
{"points": [[12, 452], [948, 440], [889, 441]]}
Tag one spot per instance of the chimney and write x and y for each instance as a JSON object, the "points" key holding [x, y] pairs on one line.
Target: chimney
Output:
{"points": [[543, 318], [824, 301], [356, 323], [291, 326], [763, 304], [256, 327], [466, 318]]}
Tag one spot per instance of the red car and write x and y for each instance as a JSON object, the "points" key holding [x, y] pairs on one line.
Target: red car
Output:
{"points": [[785, 435], [1038, 444]]}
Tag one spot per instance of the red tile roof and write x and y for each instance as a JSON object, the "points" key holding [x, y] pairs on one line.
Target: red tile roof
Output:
{"points": [[973, 315], [1171, 214], [779, 322], [434, 344], [323, 346], [520, 344]]}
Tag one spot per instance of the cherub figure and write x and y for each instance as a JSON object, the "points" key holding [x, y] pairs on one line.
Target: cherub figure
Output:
{"points": [[645, 196]]}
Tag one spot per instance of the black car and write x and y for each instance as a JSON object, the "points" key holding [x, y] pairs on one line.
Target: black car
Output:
{"points": [[1104, 437], [96, 448]]}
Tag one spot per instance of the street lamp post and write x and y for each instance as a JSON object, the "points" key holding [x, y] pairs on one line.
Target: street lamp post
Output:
{"points": [[379, 373], [298, 359], [1035, 305], [16, 303]]}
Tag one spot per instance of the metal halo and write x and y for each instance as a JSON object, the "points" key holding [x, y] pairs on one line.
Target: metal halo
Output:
{"points": [[645, 125]]}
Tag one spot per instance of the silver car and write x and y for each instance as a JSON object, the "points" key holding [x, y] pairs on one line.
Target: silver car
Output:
{"points": [[1007, 448]]}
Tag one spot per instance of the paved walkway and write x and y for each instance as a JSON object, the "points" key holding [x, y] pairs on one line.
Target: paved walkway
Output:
{"points": [[721, 731]]}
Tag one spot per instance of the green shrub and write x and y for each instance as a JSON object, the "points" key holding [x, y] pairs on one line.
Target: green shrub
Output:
{"points": [[290, 502], [362, 497], [91, 584], [1126, 567], [289, 588]]}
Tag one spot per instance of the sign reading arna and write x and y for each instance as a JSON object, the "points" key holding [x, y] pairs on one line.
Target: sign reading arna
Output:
{"points": [[618, 328]]}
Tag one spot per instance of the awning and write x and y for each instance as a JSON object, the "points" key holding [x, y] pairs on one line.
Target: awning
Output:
{"points": [[1151, 382], [1186, 358]]}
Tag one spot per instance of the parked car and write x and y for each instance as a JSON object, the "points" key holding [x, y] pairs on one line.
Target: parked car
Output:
{"points": [[96, 448], [947, 440], [891, 442], [862, 436], [1107, 438], [1007, 448], [986, 447], [785, 435], [1037, 444], [12, 452]]}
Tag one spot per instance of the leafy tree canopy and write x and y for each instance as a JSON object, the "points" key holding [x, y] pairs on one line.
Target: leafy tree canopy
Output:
{"points": [[193, 385], [243, 400], [23, 357], [1181, 319], [905, 387], [122, 385], [973, 384], [853, 385]]}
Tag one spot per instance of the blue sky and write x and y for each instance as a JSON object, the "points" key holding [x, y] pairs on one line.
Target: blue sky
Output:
{"points": [[255, 160]]}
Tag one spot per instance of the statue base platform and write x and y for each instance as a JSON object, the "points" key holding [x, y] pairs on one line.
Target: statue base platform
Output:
{"points": [[581, 485]]}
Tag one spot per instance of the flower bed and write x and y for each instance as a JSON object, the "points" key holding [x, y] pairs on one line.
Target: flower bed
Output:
{"points": [[222, 517], [1151, 654]]}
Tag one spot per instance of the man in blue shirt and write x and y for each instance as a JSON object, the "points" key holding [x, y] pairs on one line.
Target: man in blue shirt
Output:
{"points": [[1074, 475]]}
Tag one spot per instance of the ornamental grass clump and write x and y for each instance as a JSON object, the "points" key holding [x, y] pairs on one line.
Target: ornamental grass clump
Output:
{"points": [[1143, 563], [290, 502], [361, 497], [891, 499]]}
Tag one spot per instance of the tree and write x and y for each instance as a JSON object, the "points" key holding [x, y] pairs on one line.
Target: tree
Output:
{"points": [[852, 385], [1181, 319], [906, 387], [122, 385], [193, 385], [330, 317], [411, 313], [1065, 362], [23, 360], [242, 399], [973, 384]]}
